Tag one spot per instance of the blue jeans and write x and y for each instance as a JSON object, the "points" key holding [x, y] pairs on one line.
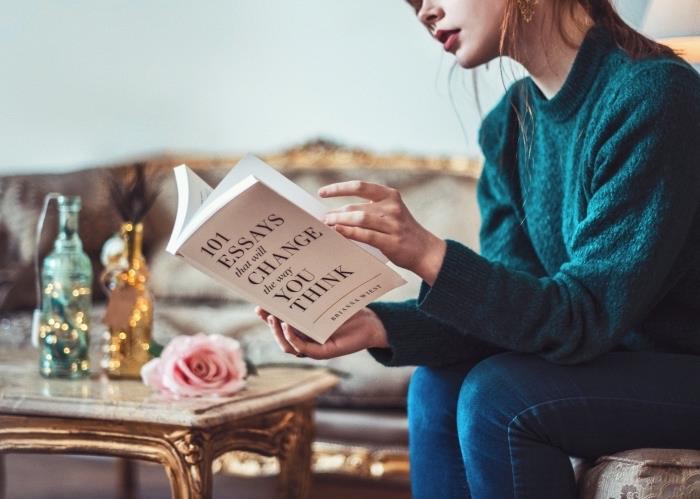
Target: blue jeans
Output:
{"points": [[505, 427]]}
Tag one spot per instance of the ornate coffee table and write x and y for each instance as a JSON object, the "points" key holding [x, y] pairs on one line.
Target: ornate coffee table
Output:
{"points": [[272, 416]]}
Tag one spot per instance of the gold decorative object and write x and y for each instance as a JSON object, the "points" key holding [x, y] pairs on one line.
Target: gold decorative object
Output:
{"points": [[129, 315], [187, 454], [527, 9], [326, 458], [322, 155]]}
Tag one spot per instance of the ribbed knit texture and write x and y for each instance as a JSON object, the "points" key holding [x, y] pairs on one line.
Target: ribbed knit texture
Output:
{"points": [[590, 236]]}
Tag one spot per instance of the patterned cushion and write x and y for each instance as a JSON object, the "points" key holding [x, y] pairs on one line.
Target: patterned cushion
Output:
{"points": [[644, 474]]}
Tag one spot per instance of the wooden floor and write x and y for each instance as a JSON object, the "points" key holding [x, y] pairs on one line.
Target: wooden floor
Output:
{"points": [[31, 476]]}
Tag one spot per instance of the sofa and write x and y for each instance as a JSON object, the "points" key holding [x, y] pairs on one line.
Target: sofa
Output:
{"points": [[361, 425]]}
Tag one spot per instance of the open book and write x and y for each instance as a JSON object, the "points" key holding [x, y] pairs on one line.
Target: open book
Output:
{"points": [[262, 235]]}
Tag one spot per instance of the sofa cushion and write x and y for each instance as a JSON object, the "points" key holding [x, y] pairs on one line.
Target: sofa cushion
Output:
{"points": [[644, 473]]}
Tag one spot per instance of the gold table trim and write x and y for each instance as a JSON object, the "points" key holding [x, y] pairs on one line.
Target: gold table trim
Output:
{"points": [[186, 453], [322, 155], [272, 416], [327, 458]]}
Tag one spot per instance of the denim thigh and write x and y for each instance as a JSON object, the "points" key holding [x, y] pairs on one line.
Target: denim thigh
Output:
{"points": [[519, 417]]}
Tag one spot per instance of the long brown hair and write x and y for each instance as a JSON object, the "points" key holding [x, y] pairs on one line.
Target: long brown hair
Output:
{"points": [[602, 12]]}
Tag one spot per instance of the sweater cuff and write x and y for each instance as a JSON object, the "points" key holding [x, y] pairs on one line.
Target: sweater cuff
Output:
{"points": [[460, 284], [407, 333]]}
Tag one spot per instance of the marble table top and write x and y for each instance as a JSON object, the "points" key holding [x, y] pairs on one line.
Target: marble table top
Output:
{"points": [[24, 392]]}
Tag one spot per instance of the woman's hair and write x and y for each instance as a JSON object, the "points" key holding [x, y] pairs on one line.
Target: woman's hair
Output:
{"points": [[601, 12]]}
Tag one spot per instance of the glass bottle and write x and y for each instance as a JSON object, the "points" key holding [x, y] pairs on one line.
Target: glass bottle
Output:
{"points": [[66, 281], [127, 345]]}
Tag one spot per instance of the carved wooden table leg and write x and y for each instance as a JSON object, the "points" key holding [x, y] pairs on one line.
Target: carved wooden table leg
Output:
{"points": [[186, 453], [190, 471], [284, 433], [295, 456], [124, 419]]}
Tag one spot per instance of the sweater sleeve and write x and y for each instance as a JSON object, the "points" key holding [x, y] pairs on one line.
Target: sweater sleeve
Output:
{"points": [[417, 338], [624, 254]]}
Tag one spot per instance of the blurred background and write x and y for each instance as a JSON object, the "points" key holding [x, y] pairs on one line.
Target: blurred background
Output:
{"points": [[86, 82]]}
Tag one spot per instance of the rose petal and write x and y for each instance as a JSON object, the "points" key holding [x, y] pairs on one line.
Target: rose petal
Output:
{"points": [[232, 348], [198, 365], [151, 374]]}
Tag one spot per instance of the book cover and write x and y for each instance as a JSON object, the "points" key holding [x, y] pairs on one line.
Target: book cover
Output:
{"points": [[251, 237]]}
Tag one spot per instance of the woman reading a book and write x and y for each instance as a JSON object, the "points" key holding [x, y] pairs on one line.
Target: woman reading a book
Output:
{"points": [[576, 330]]}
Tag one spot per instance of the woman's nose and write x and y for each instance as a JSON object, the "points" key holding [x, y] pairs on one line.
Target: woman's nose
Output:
{"points": [[430, 13]]}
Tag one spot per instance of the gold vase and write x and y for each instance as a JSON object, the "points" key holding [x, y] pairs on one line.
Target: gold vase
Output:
{"points": [[129, 315]]}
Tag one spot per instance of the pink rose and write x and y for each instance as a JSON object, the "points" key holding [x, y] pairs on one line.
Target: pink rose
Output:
{"points": [[193, 366]]}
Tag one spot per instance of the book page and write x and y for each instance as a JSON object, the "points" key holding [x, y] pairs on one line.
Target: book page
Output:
{"points": [[251, 165], [280, 257], [211, 207], [192, 193]]}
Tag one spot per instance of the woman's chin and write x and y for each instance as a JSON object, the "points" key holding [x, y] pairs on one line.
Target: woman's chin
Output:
{"points": [[469, 58], [467, 64], [471, 61]]}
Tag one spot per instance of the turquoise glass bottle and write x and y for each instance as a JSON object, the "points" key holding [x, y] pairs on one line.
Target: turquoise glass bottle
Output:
{"points": [[66, 281]]}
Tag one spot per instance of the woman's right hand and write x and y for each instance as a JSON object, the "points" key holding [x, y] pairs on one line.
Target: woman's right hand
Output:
{"points": [[363, 330]]}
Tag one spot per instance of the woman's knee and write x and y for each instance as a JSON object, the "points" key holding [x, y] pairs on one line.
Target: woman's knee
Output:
{"points": [[491, 392], [432, 395]]}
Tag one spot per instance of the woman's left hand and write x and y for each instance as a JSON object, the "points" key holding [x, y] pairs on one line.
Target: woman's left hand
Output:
{"points": [[385, 223]]}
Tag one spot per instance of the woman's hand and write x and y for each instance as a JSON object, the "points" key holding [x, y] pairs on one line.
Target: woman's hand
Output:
{"points": [[363, 330], [385, 223]]}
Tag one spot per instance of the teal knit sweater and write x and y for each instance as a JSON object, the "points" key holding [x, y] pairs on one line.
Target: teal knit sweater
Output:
{"points": [[590, 236]]}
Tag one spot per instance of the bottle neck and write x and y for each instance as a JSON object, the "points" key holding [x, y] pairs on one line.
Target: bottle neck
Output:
{"points": [[133, 239], [68, 237]]}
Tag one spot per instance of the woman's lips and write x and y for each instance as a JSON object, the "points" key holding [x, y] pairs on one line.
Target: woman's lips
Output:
{"points": [[451, 41], [448, 38]]}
